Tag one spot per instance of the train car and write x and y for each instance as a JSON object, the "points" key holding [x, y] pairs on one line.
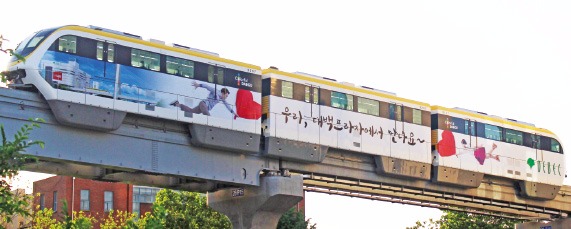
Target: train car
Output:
{"points": [[305, 115], [468, 145], [92, 77]]}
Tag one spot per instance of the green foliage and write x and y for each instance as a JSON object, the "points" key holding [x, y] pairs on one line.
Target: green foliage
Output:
{"points": [[43, 218], [78, 221], [116, 219], [150, 220], [174, 209], [465, 220], [293, 219], [11, 160]]}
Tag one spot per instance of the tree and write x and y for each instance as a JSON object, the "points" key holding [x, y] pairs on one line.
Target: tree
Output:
{"points": [[173, 209], [7, 51], [293, 219], [11, 160], [467, 220]]}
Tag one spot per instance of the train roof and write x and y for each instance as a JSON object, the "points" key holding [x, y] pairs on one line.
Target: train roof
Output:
{"points": [[491, 118], [153, 43], [346, 86]]}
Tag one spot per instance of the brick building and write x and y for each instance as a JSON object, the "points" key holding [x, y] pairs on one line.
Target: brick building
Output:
{"points": [[95, 198]]}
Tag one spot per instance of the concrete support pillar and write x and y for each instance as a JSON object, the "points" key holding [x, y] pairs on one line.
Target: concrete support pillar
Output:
{"points": [[258, 207], [564, 223]]}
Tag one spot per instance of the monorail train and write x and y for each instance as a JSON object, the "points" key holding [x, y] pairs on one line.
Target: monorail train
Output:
{"points": [[92, 77]]}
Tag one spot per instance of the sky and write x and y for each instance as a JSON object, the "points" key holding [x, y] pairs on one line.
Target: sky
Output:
{"points": [[506, 58]]}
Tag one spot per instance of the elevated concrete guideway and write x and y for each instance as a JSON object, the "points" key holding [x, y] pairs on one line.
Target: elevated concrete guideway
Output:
{"points": [[159, 153]]}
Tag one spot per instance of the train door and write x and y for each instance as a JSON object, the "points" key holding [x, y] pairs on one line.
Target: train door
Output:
{"points": [[311, 111], [106, 53], [396, 113], [470, 131], [532, 143], [216, 75], [351, 139], [312, 98], [397, 134], [218, 116], [536, 141], [539, 159]]}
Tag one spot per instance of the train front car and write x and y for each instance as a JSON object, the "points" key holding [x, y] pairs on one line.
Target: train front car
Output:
{"points": [[92, 77], [305, 116], [25, 72], [468, 145]]}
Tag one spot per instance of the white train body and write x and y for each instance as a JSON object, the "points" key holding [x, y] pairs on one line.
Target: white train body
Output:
{"points": [[483, 144], [326, 123]]}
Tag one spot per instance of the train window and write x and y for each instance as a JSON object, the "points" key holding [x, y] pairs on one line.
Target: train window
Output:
{"points": [[29, 44], [416, 116], [514, 136], [287, 89], [215, 72], [145, 59], [469, 128], [493, 132], [315, 95], [180, 67], [350, 103], [99, 50], [33, 42], [545, 143], [555, 147], [341, 100], [531, 140], [536, 141], [368, 106], [68, 44], [307, 94], [110, 53], [311, 97], [395, 112], [527, 141], [311, 94]]}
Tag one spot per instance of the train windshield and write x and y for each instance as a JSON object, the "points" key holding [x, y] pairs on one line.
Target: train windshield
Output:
{"points": [[31, 43]]}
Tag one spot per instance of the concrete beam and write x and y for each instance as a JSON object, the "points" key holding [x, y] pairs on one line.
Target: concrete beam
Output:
{"points": [[66, 169], [258, 207]]}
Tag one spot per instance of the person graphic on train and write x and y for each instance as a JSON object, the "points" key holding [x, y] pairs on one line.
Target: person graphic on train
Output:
{"points": [[480, 152], [207, 104], [447, 147]]}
